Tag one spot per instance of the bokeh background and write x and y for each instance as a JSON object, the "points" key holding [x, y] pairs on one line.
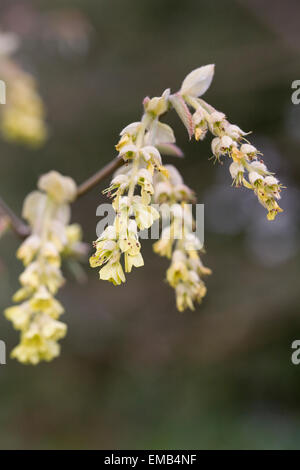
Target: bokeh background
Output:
{"points": [[134, 373]]}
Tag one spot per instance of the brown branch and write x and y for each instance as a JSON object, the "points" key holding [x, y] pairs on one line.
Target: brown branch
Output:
{"points": [[99, 176], [17, 225]]}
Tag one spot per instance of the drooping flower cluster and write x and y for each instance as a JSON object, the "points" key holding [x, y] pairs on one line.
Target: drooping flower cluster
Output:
{"points": [[247, 167], [22, 119], [37, 316], [178, 240], [131, 190], [140, 146], [140, 181]]}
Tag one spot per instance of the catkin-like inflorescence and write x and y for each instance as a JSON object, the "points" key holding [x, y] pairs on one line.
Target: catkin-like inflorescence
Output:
{"points": [[144, 178], [37, 316], [247, 168], [178, 239], [22, 119], [131, 190]]}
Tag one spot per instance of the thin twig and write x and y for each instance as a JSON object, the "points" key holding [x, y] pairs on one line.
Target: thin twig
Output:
{"points": [[99, 176], [17, 225]]}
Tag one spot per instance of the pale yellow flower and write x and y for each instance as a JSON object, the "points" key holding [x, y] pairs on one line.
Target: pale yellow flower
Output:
{"points": [[60, 188], [48, 215], [19, 315], [145, 215]]}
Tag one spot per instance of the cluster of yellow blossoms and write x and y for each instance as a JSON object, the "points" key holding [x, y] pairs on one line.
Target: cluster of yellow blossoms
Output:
{"points": [[178, 240], [140, 181], [247, 167], [48, 214], [22, 118], [138, 146]]}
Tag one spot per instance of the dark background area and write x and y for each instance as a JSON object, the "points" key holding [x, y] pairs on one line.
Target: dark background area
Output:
{"points": [[135, 373]]}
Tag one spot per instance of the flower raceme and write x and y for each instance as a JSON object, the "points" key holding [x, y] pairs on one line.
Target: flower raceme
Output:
{"points": [[138, 146], [144, 179], [37, 316], [247, 167]]}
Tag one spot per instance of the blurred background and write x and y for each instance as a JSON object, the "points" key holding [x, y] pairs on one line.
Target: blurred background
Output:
{"points": [[134, 373]]}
